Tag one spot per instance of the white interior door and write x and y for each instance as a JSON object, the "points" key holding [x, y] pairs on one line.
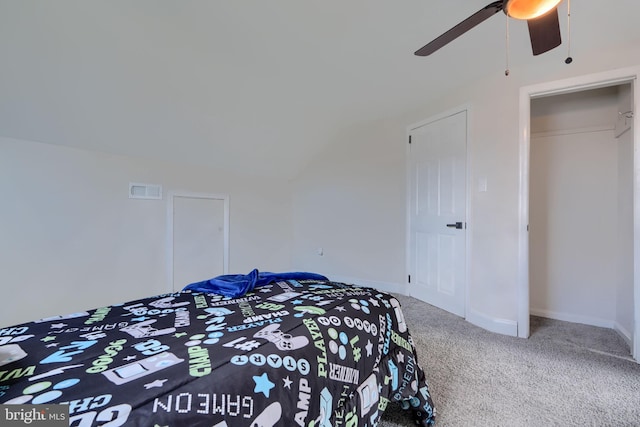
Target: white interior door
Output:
{"points": [[437, 242], [199, 238]]}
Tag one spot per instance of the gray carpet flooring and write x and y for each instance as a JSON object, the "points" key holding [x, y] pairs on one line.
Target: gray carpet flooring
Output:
{"points": [[565, 374]]}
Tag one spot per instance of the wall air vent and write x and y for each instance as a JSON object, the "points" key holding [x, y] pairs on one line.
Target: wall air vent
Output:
{"points": [[145, 191]]}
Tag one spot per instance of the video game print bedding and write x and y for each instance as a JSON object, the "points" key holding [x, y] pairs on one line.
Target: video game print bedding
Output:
{"points": [[308, 352]]}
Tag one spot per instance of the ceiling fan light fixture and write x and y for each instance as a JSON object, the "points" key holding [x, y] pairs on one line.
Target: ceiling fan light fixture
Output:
{"points": [[529, 9]]}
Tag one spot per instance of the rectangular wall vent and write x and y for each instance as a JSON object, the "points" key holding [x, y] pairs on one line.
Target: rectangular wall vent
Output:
{"points": [[145, 191]]}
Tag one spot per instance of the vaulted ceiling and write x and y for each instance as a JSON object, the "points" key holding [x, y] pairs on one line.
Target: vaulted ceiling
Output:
{"points": [[256, 85]]}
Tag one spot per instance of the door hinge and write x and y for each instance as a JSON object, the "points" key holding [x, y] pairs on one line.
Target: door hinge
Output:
{"points": [[409, 278], [409, 139]]}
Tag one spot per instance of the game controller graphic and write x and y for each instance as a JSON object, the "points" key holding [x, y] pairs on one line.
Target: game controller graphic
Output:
{"points": [[144, 330], [167, 303], [281, 340]]}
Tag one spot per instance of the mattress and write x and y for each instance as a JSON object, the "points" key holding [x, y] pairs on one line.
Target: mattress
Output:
{"points": [[293, 352]]}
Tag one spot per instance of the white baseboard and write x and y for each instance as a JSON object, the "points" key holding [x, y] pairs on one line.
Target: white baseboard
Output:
{"points": [[499, 326], [574, 318], [623, 332]]}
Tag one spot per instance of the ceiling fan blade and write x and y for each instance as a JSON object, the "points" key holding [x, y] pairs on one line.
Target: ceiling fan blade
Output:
{"points": [[545, 32], [464, 26]]}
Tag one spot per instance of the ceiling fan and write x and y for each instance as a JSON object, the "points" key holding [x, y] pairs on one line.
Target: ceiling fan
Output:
{"points": [[541, 17]]}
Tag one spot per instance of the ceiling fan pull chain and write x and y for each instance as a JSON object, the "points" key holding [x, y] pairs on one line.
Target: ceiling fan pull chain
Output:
{"points": [[569, 59], [506, 71]]}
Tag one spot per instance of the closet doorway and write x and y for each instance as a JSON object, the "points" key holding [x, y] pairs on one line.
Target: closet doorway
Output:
{"points": [[580, 215], [578, 238], [197, 238]]}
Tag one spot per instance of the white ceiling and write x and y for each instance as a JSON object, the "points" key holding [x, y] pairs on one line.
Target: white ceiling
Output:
{"points": [[257, 85]]}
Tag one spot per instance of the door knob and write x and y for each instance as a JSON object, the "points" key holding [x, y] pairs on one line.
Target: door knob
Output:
{"points": [[457, 225]]}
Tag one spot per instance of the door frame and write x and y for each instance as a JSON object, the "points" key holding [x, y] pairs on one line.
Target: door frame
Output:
{"points": [[574, 84], [468, 217], [170, 210]]}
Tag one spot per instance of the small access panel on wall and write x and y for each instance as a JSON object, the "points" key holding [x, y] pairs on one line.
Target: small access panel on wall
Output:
{"points": [[145, 191]]}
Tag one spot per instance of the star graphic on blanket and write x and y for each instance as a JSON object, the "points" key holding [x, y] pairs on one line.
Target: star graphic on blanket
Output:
{"points": [[287, 382], [341, 308], [58, 325], [180, 334], [156, 383], [374, 302], [266, 289], [128, 358], [400, 357], [263, 384], [48, 338], [53, 344], [369, 348]]}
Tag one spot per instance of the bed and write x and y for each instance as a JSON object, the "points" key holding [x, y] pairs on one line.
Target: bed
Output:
{"points": [[291, 352]]}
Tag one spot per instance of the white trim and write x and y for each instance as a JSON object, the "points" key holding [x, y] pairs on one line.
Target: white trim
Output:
{"points": [[585, 82], [523, 215], [469, 217], [492, 324], [466, 108], [169, 241], [440, 116], [407, 236], [591, 81]]}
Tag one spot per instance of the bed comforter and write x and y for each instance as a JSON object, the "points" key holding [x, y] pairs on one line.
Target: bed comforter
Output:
{"points": [[293, 352]]}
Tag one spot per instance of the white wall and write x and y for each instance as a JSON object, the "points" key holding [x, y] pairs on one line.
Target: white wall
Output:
{"points": [[71, 239], [349, 202], [378, 157]]}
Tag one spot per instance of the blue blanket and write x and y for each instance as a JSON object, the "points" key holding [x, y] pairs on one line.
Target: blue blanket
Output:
{"points": [[235, 285]]}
